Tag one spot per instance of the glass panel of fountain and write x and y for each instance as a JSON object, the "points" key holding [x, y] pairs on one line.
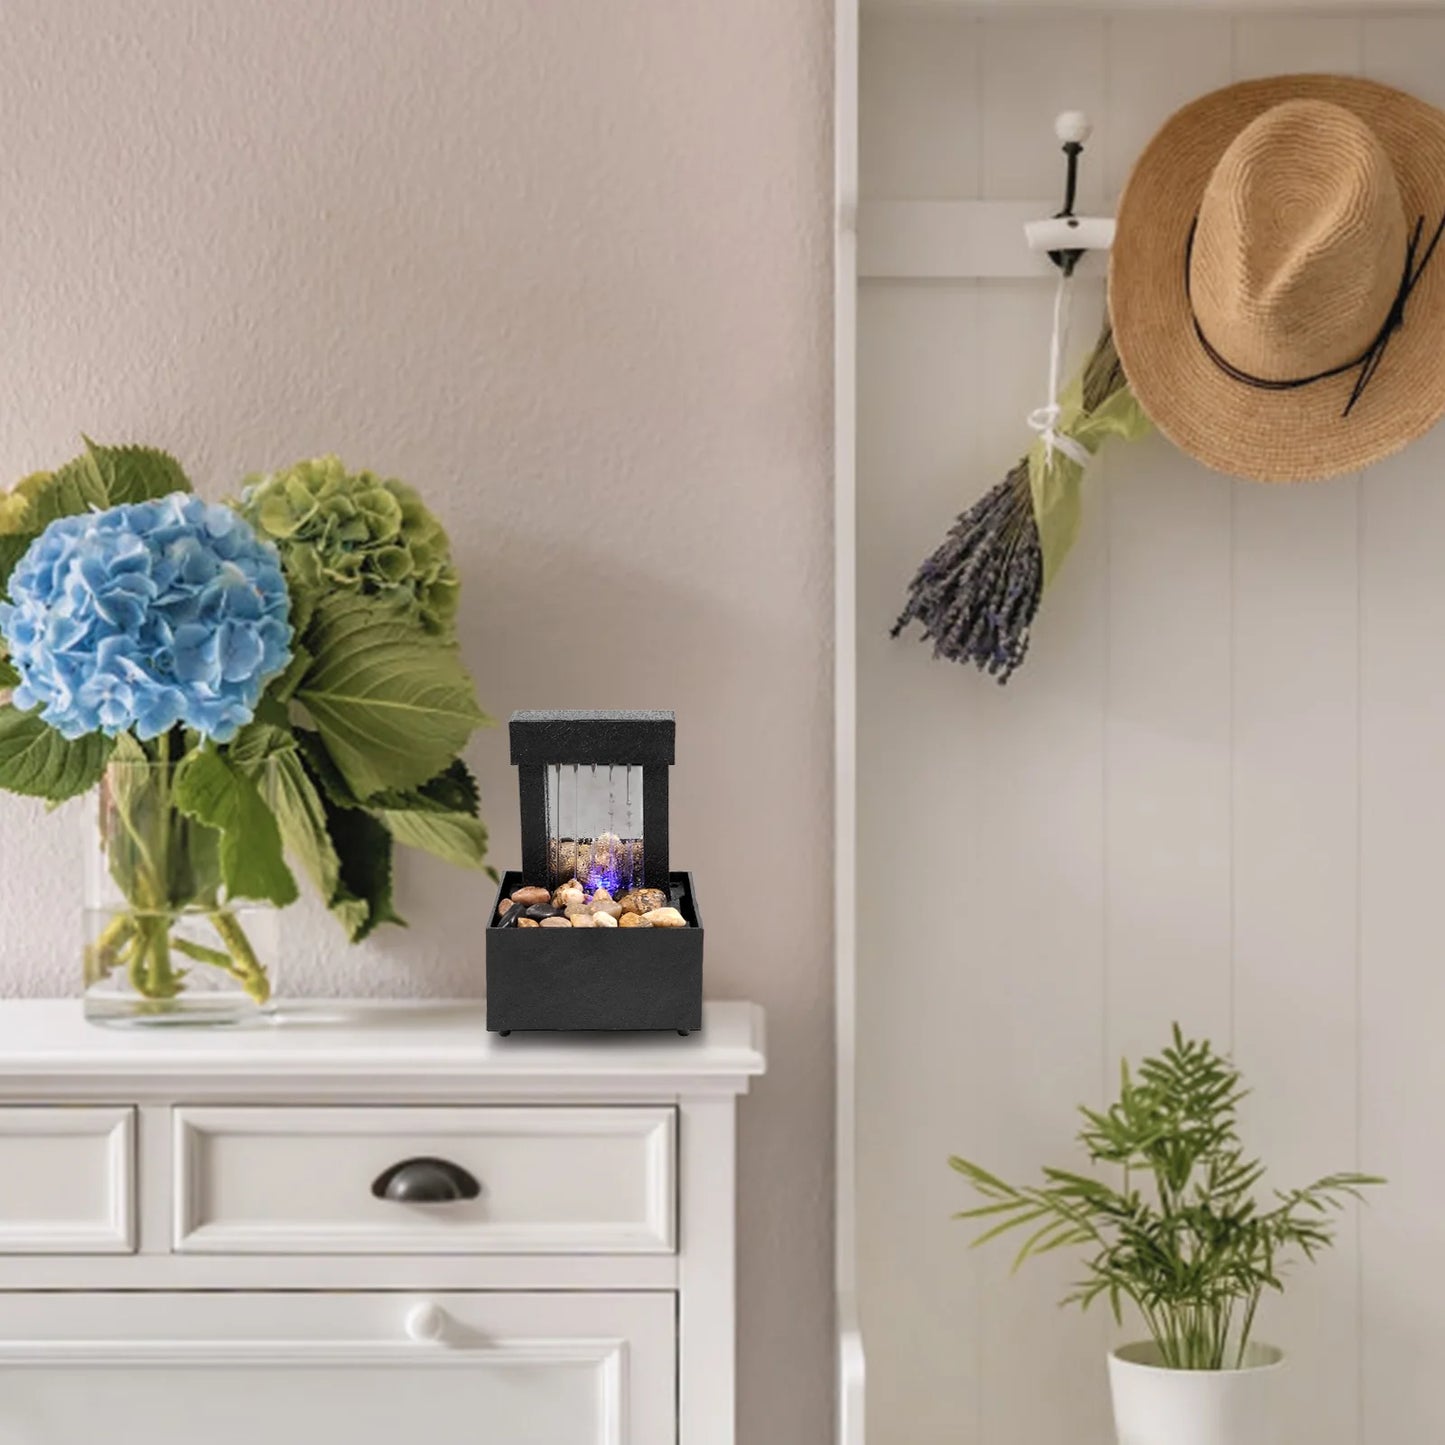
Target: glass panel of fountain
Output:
{"points": [[594, 825]]}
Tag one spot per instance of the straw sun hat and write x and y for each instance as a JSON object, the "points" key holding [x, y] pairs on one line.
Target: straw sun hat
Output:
{"points": [[1277, 283]]}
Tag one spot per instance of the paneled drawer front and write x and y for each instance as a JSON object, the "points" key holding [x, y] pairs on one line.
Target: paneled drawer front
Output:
{"points": [[363, 1368], [67, 1180], [548, 1181]]}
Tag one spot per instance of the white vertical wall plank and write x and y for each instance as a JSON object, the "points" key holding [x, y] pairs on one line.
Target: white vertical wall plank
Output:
{"points": [[1167, 832], [1031, 925], [921, 1093], [1167, 824], [1296, 830], [1295, 847], [918, 466], [1402, 996], [1295, 45], [1149, 79], [1037, 961], [1040, 966], [1033, 69], [920, 103], [1403, 802]]}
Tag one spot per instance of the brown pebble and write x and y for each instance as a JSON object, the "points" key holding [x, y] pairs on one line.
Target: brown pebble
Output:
{"points": [[528, 923], [556, 921], [665, 918], [642, 900], [633, 920], [531, 895], [568, 894], [582, 920]]}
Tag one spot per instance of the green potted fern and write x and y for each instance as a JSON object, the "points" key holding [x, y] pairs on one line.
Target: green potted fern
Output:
{"points": [[1179, 1232]]}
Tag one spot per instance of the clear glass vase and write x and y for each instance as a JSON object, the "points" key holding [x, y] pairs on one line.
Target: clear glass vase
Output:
{"points": [[163, 943]]}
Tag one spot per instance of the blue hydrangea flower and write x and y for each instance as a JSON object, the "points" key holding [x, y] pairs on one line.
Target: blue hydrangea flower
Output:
{"points": [[145, 616]]}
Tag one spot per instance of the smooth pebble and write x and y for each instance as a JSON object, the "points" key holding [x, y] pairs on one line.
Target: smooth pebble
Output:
{"points": [[640, 900]]}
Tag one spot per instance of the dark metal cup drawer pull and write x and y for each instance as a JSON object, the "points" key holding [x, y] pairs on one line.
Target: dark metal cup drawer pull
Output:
{"points": [[425, 1181]]}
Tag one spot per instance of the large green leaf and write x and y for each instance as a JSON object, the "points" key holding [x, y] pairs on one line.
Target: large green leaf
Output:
{"points": [[452, 837], [439, 817], [393, 703], [12, 549], [323, 770], [37, 761], [37, 500], [15, 505], [282, 688], [217, 793], [77, 487], [453, 790], [134, 474], [269, 754], [363, 847], [16, 531], [302, 815]]}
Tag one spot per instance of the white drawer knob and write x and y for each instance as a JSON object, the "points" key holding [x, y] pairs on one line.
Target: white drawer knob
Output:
{"points": [[426, 1322]]}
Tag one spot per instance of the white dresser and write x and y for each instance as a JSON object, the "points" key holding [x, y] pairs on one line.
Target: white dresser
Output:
{"points": [[370, 1224]]}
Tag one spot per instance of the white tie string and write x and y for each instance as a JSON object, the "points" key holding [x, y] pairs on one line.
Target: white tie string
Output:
{"points": [[1045, 419]]}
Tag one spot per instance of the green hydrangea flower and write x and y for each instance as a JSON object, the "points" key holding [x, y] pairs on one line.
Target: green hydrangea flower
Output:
{"points": [[353, 529]]}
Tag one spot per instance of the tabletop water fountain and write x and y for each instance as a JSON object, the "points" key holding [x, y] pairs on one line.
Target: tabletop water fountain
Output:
{"points": [[595, 930]]}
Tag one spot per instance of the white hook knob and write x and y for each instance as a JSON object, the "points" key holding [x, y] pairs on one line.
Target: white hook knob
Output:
{"points": [[1073, 126], [426, 1321]]}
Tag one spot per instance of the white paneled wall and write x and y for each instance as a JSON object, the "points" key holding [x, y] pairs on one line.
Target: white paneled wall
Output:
{"points": [[1215, 793]]}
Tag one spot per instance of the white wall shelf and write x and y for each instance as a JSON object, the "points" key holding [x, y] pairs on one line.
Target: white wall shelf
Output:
{"points": [[952, 240]]}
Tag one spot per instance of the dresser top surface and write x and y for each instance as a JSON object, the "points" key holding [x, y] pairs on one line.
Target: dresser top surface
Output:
{"points": [[387, 1049]]}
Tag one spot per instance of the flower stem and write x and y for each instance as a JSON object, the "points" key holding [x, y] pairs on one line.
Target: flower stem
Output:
{"points": [[102, 956], [136, 966], [245, 965], [247, 968], [198, 951], [152, 963]]}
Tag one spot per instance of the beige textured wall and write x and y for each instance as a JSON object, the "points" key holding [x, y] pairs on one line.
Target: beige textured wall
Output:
{"points": [[563, 264]]}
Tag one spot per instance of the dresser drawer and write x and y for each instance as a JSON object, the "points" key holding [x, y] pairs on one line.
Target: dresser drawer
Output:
{"points": [[326, 1181], [67, 1180], [507, 1368]]}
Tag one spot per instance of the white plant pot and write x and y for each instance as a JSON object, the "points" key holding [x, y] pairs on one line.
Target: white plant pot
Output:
{"points": [[1155, 1406]]}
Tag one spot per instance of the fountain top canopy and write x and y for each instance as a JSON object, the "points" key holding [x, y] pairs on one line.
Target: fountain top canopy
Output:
{"points": [[593, 790], [572, 736]]}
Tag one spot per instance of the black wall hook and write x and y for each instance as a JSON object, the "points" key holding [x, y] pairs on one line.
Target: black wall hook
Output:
{"points": [[1073, 128]]}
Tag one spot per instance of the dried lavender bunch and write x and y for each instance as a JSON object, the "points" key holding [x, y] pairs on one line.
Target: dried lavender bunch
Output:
{"points": [[977, 596]]}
